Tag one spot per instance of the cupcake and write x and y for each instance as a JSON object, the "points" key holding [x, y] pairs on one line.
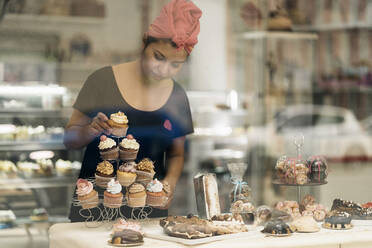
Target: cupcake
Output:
{"points": [[136, 195], [128, 148], [87, 196], [126, 173], [145, 171], [104, 173], [108, 148], [112, 197], [119, 124], [157, 193]]}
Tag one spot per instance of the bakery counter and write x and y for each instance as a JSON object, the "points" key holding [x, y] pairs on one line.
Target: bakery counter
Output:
{"points": [[79, 235]]}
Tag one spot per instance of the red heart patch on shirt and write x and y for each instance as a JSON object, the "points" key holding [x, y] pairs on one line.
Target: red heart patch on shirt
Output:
{"points": [[167, 125]]}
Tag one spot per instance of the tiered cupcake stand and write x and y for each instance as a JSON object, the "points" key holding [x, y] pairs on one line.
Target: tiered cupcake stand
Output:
{"points": [[107, 214]]}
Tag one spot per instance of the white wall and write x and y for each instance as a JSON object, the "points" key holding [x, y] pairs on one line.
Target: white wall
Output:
{"points": [[208, 59]]}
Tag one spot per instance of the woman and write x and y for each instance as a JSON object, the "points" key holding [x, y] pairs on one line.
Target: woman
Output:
{"points": [[156, 106]]}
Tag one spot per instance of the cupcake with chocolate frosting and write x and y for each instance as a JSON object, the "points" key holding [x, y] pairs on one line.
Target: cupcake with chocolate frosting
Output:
{"points": [[108, 148], [126, 173], [104, 173], [128, 148]]}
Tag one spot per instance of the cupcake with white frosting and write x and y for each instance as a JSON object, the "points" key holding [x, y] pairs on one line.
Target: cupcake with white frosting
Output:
{"points": [[128, 148], [112, 197], [108, 148], [157, 193], [119, 124]]}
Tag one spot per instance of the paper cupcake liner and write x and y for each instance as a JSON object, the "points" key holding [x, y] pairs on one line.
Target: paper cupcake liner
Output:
{"points": [[126, 155], [144, 177], [90, 202], [136, 202], [119, 131], [156, 201], [111, 154], [125, 181], [112, 202], [103, 181]]}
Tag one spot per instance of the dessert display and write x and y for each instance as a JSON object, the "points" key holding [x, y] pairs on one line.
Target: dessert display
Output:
{"points": [[290, 207], [367, 205], [318, 169], [28, 169], [46, 167], [277, 228], [337, 220], [157, 193], [263, 214], [119, 124], [206, 194], [108, 148], [126, 237], [228, 217], [126, 174], [305, 224], [87, 196], [128, 148], [145, 171], [310, 208], [104, 173], [136, 195], [245, 210], [122, 224], [352, 208], [292, 170], [67, 168], [192, 227], [112, 197], [39, 214], [7, 169]]}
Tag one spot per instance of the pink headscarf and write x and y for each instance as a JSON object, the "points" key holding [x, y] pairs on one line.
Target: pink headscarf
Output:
{"points": [[178, 21]]}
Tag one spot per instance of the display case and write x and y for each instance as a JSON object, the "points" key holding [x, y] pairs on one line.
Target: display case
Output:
{"points": [[36, 170]]}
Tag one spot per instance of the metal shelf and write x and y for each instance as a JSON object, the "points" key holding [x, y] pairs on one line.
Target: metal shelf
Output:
{"points": [[37, 183], [32, 145], [36, 112]]}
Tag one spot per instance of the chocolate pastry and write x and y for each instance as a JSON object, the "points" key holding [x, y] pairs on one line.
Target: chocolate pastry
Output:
{"points": [[349, 207], [277, 227], [127, 236], [337, 220]]}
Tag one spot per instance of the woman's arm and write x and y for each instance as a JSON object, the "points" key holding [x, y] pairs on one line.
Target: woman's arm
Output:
{"points": [[175, 161], [81, 130]]}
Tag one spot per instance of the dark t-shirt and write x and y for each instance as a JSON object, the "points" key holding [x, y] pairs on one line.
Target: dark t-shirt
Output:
{"points": [[153, 130]]}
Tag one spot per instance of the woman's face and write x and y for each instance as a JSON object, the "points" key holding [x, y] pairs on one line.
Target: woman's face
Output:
{"points": [[160, 60]]}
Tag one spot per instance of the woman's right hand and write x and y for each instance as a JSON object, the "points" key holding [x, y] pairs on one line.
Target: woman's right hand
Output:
{"points": [[99, 125]]}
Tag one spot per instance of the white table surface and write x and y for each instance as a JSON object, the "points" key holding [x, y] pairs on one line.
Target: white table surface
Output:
{"points": [[66, 235]]}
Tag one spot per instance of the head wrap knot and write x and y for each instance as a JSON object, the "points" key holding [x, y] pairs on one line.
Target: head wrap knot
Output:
{"points": [[178, 21]]}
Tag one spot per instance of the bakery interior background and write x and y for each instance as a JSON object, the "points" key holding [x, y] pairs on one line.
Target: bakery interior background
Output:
{"points": [[272, 69]]}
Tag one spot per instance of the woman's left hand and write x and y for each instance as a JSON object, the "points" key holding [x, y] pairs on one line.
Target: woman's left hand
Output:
{"points": [[170, 196]]}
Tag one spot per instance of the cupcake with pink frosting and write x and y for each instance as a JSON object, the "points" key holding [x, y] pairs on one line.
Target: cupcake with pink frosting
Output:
{"points": [[87, 196], [128, 148], [122, 224], [126, 174]]}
